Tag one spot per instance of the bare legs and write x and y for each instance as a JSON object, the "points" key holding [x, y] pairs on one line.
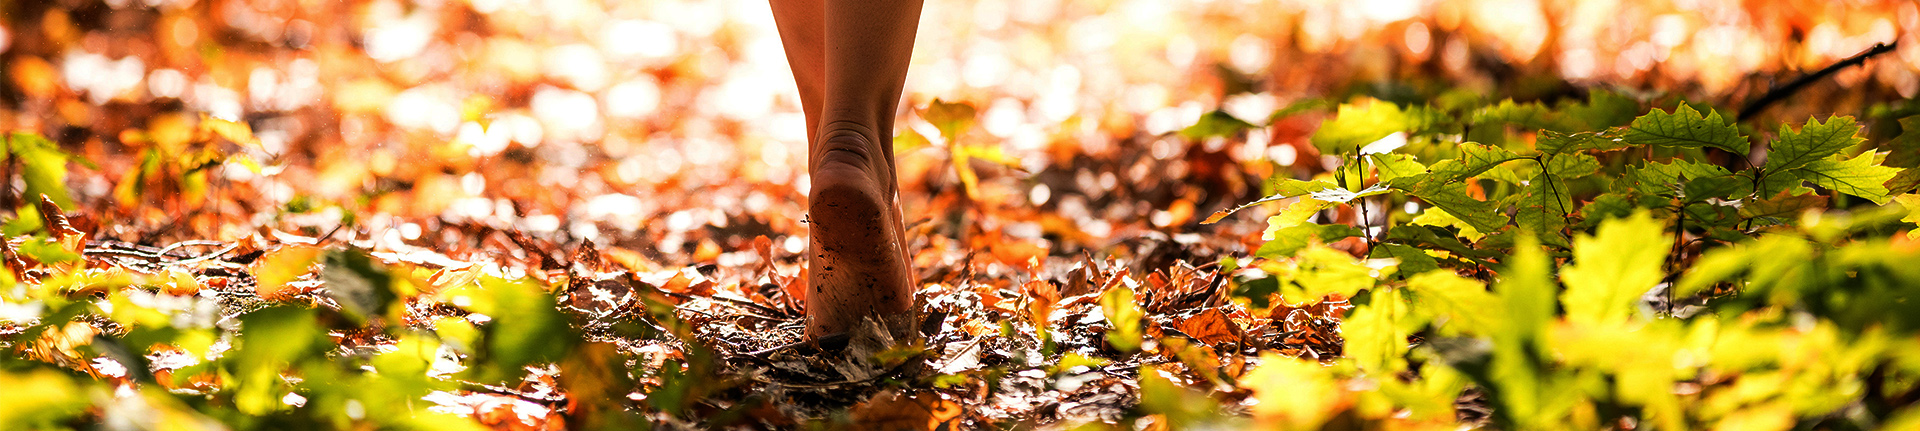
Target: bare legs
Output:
{"points": [[849, 58]]}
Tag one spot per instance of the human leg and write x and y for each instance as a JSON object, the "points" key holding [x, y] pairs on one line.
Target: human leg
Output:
{"points": [[857, 265]]}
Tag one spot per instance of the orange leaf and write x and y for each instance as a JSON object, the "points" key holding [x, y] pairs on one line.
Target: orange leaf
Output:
{"points": [[1211, 327], [282, 266], [890, 410]]}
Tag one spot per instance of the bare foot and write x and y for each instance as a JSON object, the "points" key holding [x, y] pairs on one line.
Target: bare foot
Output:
{"points": [[857, 264]]}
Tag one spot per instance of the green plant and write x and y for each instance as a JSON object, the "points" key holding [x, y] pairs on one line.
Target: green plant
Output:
{"points": [[1644, 270]]}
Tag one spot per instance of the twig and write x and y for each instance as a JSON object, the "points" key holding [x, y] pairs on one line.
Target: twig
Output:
{"points": [[1782, 92]]}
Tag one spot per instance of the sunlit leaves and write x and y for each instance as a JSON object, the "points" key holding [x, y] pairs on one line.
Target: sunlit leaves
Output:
{"points": [[1517, 370], [1459, 305], [282, 266], [1376, 332], [1281, 188], [40, 399], [237, 132], [1811, 143], [274, 339], [951, 118], [1411, 260], [1686, 128], [1354, 126], [1904, 152], [1296, 213], [526, 326], [1215, 124], [1530, 115], [1553, 143], [1858, 176], [1324, 271], [1392, 166], [1544, 209], [42, 166], [1912, 203], [1285, 241], [1294, 393], [1482, 215], [1119, 308], [1612, 268]]}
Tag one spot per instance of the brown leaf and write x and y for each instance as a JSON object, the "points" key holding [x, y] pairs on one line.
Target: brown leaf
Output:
{"points": [[890, 411], [56, 219], [1211, 326], [587, 260], [1041, 298]]}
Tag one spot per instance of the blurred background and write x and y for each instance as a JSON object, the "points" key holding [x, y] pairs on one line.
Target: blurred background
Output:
{"points": [[671, 128]]}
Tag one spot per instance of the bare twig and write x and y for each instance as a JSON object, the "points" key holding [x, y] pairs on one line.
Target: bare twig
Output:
{"points": [[1782, 92]]}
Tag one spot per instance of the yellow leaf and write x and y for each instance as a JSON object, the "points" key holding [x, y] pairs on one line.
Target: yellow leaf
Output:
{"points": [[282, 266], [239, 133]]}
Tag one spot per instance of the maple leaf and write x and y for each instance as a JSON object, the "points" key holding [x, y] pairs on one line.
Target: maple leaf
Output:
{"points": [[1613, 268], [1858, 176], [1686, 128], [1813, 142]]}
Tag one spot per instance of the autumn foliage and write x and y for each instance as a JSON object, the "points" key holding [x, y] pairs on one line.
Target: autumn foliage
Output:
{"points": [[509, 214]]}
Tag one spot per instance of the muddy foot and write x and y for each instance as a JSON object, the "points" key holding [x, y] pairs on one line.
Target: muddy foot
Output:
{"points": [[857, 266]]}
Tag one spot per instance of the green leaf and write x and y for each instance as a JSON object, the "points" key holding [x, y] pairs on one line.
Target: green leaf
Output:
{"points": [[1784, 204], [1858, 176], [1342, 195], [43, 166], [1295, 393], [1604, 109], [1217, 123], [1326, 271], [1721, 187], [1354, 126], [1395, 165], [527, 328], [1286, 241], [1440, 217], [1552, 143], [1912, 204], [1376, 332], [1904, 182], [1412, 260], [1543, 210], [1483, 216], [271, 341], [1279, 188], [1530, 115], [1613, 268], [1474, 158], [1459, 305], [1606, 206], [1686, 128], [1295, 214], [1769, 261], [1904, 150], [362, 287], [1118, 306], [43, 399], [1812, 143], [1526, 293], [1573, 165], [1297, 107]]}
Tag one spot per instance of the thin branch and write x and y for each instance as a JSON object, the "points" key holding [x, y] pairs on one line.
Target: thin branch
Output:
{"points": [[1782, 92]]}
